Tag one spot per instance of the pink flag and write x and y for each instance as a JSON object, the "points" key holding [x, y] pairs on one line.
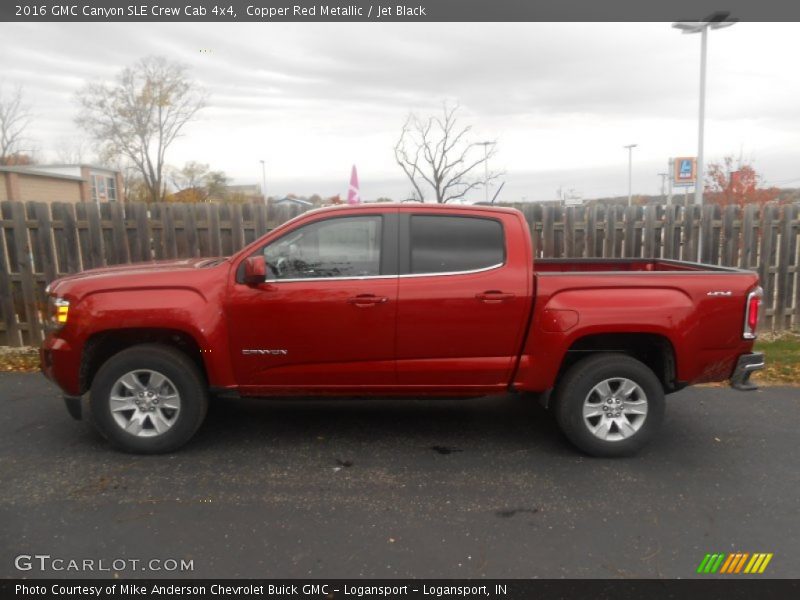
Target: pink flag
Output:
{"points": [[353, 195]]}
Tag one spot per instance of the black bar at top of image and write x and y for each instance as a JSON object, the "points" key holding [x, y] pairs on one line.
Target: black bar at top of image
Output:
{"points": [[393, 10], [734, 588]]}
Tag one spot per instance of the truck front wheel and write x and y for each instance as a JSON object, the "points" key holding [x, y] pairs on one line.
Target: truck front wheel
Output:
{"points": [[609, 404], [148, 399]]}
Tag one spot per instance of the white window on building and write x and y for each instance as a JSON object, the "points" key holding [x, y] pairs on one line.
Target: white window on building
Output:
{"points": [[104, 188]]}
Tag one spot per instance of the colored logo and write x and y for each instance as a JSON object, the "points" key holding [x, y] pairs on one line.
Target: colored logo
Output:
{"points": [[684, 171], [735, 563]]}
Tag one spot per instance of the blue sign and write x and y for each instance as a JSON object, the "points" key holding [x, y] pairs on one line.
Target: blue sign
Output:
{"points": [[685, 173]]}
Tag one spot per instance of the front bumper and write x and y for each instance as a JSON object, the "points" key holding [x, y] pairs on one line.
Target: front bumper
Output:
{"points": [[746, 366], [60, 362]]}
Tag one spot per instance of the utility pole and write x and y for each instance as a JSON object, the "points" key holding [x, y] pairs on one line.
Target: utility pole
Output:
{"points": [[663, 186], [671, 169], [630, 148], [264, 180]]}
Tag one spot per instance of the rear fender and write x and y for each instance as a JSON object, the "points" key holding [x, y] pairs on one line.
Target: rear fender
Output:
{"points": [[568, 316]]}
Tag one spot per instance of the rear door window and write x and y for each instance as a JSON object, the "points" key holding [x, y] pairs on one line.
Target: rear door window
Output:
{"points": [[445, 244]]}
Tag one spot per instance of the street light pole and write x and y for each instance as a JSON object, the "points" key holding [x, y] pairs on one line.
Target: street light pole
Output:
{"points": [[698, 186], [717, 20], [264, 180], [630, 148]]}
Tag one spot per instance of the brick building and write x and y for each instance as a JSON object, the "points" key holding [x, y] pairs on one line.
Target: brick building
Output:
{"points": [[61, 183]]}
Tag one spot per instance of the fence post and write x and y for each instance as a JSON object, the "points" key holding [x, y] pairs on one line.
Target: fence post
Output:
{"points": [[261, 220], [530, 219], [748, 239], [793, 252], [22, 249], [765, 265], [168, 230], [591, 232], [12, 329], [706, 235], [569, 232], [190, 229], [119, 233], [650, 231], [688, 234], [630, 231], [143, 240], [729, 240], [668, 232], [548, 231], [214, 236], [68, 246], [44, 237], [783, 290], [237, 233], [95, 237]]}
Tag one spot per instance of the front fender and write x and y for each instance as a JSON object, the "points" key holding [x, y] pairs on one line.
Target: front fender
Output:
{"points": [[185, 310]]}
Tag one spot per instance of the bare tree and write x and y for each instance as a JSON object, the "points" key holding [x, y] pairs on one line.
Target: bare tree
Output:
{"points": [[141, 114], [437, 153], [15, 117]]}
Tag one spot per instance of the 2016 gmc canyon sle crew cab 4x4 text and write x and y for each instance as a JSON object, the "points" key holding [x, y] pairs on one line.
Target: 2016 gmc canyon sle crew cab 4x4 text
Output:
{"points": [[389, 299]]}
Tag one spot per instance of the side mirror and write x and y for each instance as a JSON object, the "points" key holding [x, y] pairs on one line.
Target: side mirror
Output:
{"points": [[255, 270]]}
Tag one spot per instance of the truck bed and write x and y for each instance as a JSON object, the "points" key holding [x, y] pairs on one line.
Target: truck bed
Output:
{"points": [[622, 265]]}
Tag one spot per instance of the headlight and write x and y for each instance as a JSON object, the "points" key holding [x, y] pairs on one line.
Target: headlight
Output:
{"points": [[57, 312]]}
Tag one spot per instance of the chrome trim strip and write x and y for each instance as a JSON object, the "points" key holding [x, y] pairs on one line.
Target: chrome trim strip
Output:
{"points": [[448, 273], [365, 277], [754, 366], [306, 279]]}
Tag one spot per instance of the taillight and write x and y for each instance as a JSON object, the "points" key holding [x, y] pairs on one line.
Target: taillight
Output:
{"points": [[751, 313]]}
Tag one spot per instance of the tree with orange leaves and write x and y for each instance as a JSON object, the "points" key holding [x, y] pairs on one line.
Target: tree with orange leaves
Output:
{"points": [[738, 182]]}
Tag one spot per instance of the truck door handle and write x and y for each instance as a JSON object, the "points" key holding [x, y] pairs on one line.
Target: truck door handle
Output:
{"points": [[494, 296], [364, 300]]}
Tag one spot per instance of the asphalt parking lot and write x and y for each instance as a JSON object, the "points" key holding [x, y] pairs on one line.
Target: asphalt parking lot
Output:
{"points": [[390, 488]]}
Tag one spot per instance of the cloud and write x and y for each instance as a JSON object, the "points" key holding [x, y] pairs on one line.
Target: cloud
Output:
{"points": [[311, 98]]}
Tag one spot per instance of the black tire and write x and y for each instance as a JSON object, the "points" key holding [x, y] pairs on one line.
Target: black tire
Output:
{"points": [[181, 373], [579, 382]]}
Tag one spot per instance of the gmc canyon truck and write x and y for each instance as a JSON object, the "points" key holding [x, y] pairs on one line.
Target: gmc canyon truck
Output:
{"points": [[404, 300]]}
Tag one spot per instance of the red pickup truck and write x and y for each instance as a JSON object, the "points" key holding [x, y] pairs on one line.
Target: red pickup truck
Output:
{"points": [[397, 299]]}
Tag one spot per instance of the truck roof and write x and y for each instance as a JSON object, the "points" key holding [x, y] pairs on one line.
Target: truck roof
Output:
{"points": [[415, 205]]}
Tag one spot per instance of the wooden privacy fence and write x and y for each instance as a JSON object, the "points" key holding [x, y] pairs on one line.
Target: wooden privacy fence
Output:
{"points": [[40, 242]]}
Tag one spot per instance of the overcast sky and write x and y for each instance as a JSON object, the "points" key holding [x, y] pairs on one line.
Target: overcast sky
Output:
{"points": [[561, 99]]}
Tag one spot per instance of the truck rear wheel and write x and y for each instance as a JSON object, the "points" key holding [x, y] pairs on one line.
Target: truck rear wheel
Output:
{"points": [[609, 404], [148, 399]]}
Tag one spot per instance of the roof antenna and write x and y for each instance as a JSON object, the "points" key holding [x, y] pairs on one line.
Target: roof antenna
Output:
{"points": [[497, 192]]}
